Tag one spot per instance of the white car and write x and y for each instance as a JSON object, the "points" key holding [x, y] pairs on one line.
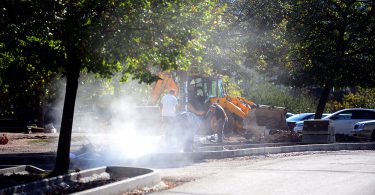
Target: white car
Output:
{"points": [[364, 130], [343, 121]]}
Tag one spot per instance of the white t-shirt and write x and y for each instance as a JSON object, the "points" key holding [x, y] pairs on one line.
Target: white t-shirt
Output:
{"points": [[169, 105]]}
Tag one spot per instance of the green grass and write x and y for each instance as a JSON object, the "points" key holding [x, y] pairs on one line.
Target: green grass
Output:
{"points": [[38, 141]]}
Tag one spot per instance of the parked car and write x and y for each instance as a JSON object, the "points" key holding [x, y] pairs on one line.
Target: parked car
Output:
{"points": [[291, 121], [288, 114], [299, 125], [343, 121], [364, 130]]}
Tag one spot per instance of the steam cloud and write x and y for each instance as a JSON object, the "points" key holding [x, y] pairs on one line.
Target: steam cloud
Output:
{"points": [[113, 124]]}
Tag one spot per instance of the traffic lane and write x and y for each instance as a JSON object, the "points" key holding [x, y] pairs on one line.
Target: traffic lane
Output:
{"points": [[344, 172]]}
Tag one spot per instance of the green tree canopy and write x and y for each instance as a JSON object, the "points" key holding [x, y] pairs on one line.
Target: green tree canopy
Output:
{"points": [[332, 44], [136, 37]]}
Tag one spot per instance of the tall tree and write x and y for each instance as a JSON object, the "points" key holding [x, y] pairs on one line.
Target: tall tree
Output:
{"points": [[136, 37], [332, 44]]}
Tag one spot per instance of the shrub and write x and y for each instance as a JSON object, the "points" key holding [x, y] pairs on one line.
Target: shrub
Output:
{"points": [[295, 100]]}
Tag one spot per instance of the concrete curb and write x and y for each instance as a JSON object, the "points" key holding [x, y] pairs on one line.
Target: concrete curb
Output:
{"points": [[145, 178], [282, 149], [130, 178], [208, 148], [201, 155]]}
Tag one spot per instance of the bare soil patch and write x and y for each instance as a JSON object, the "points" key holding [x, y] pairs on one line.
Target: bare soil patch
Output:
{"points": [[36, 142], [30, 143]]}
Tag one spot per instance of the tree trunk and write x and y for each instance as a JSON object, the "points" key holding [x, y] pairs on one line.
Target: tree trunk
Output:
{"points": [[40, 109], [322, 101], [63, 149]]}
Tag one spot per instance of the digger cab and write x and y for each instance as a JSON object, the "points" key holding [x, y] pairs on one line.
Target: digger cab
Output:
{"points": [[200, 91], [194, 91]]}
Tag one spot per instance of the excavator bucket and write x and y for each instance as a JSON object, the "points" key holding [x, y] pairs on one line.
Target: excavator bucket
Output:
{"points": [[263, 118]]}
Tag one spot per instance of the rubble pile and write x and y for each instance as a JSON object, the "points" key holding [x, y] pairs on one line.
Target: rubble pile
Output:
{"points": [[283, 136]]}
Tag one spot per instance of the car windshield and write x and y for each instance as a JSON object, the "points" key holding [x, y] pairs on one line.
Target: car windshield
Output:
{"points": [[309, 117], [299, 117], [326, 116]]}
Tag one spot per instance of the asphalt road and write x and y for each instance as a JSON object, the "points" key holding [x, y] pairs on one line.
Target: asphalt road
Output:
{"points": [[341, 172]]}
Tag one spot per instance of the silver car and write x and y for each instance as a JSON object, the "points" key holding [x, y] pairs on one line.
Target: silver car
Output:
{"points": [[344, 120], [364, 130]]}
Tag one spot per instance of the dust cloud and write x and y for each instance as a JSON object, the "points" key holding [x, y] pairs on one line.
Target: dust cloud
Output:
{"points": [[114, 122]]}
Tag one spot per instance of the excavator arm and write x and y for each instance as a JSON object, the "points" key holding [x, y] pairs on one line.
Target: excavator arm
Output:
{"points": [[166, 82], [231, 105]]}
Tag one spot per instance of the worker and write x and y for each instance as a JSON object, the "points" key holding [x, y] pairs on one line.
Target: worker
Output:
{"points": [[221, 119], [168, 111]]}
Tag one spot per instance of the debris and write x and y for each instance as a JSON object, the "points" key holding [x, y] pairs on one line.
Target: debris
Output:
{"points": [[94, 177], [212, 138], [39, 137], [282, 136], [4, 140], [49, 128]]}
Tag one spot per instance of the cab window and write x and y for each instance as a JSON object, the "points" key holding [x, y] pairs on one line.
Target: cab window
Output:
{"points": [[212, 91], [221, 88]]}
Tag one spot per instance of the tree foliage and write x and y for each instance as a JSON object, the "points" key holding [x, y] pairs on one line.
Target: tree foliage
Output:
{"points": [[136, 37], [360, 98], [264, 92], [24, 76], [332, 44], [306, 43], [250, 43]]}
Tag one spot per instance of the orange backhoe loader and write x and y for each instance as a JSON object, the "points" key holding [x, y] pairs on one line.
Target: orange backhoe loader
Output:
{"points": [[197, 92]]}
